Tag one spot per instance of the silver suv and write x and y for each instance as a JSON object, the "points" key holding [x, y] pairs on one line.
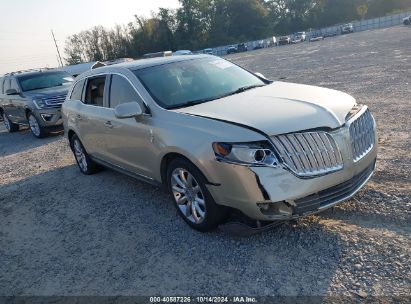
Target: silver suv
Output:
{"points": [[219, 137], [33, 98]]}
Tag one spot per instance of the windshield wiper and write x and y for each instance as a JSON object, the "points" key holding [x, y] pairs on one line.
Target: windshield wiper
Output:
{"points": [[243, 89], [198, 101], [192, 103]]}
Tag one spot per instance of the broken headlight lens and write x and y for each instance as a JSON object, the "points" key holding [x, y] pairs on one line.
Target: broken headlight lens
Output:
{"points": [[254, 154]]}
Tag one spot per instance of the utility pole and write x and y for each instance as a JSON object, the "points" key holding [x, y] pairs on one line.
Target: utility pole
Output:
{"points": [[58, 52]]}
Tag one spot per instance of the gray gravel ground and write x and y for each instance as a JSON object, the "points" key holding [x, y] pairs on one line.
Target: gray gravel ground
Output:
{"points": [[63, 233]]}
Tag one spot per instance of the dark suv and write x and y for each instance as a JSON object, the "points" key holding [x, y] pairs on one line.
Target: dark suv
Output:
{"points": [[33, 98]]}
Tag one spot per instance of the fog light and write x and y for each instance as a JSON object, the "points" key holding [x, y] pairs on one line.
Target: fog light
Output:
{"points": [[275, 208], [46, 117]]}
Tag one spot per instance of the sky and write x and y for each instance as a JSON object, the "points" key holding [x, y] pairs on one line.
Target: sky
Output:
{"points": [[25, 26]]}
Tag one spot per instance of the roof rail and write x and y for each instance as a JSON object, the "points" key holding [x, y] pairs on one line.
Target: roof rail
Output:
{"points": [[28, 71]]}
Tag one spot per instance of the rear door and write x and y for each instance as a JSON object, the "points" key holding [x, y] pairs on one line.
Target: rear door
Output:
{"points": [[91, 116], [6, 100], [18, 103]]}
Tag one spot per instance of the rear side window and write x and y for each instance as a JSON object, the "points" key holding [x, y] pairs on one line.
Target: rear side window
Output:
{"points": [[77, 92], [1, 85], [121, 91], [95, 91], [14, 85], [6, 85]]}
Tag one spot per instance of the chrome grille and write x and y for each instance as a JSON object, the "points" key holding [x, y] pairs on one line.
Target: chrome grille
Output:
{"points": [[55, 101], [362, 135], [309, 153]]}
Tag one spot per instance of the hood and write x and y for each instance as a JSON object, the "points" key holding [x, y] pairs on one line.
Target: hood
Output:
{"points": [[280, 108], [48, 92]]}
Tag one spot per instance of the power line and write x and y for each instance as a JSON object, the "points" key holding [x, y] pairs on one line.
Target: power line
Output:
{"points": [[58, 51]]}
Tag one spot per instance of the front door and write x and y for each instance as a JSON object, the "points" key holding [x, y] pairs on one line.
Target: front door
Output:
{"points": [[128, 141]]}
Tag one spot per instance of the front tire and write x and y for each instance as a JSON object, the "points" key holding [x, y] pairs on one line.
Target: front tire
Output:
{"points": [[193, 201], [36, 129], [84, 162], [11, 127]]}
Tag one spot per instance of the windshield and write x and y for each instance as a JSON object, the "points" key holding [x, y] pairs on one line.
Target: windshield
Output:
{"points": [[185, 83], [44, 80]]}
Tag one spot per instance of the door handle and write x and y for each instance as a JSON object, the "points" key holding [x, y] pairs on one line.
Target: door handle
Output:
{"points": [[108, 124]]}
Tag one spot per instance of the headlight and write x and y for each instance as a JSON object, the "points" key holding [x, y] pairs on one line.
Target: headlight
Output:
{"points": [[39, 103], [251, 154]]}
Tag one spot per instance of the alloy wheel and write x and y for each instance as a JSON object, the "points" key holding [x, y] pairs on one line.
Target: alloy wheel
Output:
{"points": [[188, 195], [80, 155], [34, 125]]}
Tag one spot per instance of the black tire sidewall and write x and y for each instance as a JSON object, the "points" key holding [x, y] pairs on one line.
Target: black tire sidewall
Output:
{"points": [[215, 214], [91, 166], [12, 126], [42, 130]]}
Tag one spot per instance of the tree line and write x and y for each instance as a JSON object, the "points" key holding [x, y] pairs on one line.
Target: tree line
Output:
{"points": [[198, 24]]}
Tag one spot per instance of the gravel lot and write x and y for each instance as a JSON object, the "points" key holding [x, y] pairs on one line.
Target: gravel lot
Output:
{"points": [[63, 233]]}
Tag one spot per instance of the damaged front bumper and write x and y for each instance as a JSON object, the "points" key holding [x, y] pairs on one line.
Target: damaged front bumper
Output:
{"points": [[269, 194]]}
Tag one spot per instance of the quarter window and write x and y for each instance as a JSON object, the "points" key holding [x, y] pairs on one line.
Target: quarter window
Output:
{"points": [[14, 85], [95, 91], [6, 85], [77, 92], [121, 92]]}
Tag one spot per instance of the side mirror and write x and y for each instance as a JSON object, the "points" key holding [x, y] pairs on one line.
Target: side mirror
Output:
{"points": [[128, 110], [11, 92], [259, 75]]}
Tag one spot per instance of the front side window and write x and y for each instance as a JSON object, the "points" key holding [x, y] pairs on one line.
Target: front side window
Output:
{"points": [[44, 80], [95, 91], [121, 92], [189, 82], [77, 92]]}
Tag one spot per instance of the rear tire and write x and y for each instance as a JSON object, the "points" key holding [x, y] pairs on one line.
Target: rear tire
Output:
{"points": [[194, 203], [84, 162], [11, 127], [36, 129]]}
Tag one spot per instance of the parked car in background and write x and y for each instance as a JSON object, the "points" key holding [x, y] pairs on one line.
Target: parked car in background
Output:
{"points": [[407, 20], [299, 37], [33, 98], [273, 150], [259, 45], [284, 40], [347, 28], [330, 34], [158, 54], [242, 47], [208, 51], [232, 50], [272, 41], [182, 52], [316, 37]]}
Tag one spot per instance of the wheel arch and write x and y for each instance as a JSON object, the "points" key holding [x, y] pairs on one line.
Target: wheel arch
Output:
{"points": [[168, 158]]}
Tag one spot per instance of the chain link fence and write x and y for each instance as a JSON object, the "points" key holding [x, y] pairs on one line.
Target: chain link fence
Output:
{"points": [[358, 26]]}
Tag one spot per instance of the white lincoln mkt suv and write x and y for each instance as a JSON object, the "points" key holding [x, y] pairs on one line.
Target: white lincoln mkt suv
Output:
{"points": [[219, 137]]}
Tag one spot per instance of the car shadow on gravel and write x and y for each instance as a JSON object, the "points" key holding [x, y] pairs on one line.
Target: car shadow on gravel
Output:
{"points": [[65, 233], [11, 143]]}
